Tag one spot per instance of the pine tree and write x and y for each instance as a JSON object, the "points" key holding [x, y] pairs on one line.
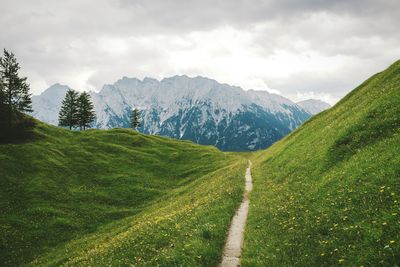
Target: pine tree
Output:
{"points": [[14, 90], [86, 114], [68, 115], [135, 119]]}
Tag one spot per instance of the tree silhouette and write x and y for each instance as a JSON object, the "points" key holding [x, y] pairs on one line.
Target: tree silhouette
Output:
{"points": [[135, 119], [86, 114], [68, 115], [14, 90]]}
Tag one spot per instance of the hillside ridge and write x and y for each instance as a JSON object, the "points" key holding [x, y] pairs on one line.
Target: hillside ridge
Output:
{"points": [[338, 202], [90, 197]]}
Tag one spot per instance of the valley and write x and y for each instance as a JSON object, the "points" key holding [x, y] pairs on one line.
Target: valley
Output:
{"points": [[199, 133], [327, 194]]}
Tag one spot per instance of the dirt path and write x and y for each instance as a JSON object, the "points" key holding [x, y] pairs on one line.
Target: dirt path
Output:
{"points": [[234, 243]]}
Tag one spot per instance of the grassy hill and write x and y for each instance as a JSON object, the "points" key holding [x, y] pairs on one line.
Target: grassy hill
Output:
{"points": [[102, 197], [329, 193]]}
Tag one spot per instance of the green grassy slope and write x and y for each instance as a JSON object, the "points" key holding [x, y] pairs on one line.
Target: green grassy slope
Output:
{"points": [[329, 193], [102, 197]]}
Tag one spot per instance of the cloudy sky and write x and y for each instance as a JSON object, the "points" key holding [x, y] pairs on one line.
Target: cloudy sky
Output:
{"points": [[300, 49]]}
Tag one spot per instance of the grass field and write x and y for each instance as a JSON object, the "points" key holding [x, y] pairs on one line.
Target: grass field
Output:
{"points": [[102, 197], [329, 193], [326, 195]]}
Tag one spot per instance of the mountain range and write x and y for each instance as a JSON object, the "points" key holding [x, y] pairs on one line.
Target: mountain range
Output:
{"points": [[198, 109]]}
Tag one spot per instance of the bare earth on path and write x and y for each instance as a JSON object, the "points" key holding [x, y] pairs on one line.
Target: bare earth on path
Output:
{"points": [[234, 242]]}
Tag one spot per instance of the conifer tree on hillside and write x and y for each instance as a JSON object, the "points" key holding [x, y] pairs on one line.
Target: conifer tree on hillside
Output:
{"points": [[86, 114], [68, 115], [14, 90], [135, 119]]}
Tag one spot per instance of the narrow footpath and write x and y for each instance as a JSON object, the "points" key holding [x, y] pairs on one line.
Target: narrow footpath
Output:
{"points": [[234, 242]]}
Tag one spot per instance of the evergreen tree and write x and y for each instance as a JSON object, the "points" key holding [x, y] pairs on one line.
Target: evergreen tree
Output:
{"points": [[14, 90], [135, 119], [86, 114], [68, 115]]}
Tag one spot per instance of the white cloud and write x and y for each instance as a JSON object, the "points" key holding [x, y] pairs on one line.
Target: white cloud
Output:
{"points": [[320, 49]]}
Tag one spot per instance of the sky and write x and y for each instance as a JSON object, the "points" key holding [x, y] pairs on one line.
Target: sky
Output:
{"points": [[299, 49]]}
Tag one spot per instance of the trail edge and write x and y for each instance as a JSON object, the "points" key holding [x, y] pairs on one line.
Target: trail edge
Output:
{"points": [[234, 242]]}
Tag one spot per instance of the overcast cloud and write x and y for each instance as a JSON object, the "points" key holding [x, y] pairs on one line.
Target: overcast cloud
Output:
{"points": [[300, 49]]}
